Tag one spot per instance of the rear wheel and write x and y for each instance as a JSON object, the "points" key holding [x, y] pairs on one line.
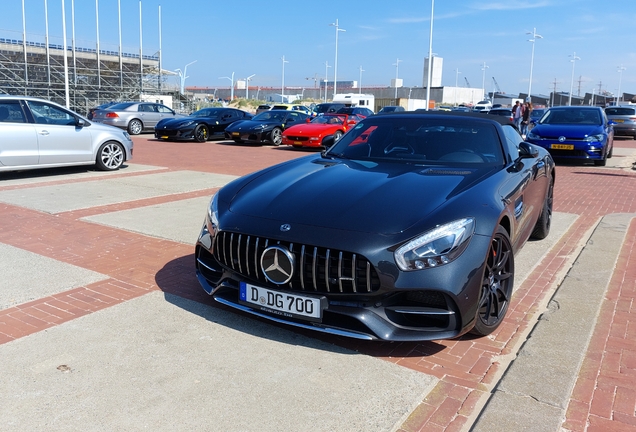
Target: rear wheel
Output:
{"points": [[542, 227], [201, 133], [496, 286], [276, 136], [135, 127], [110, 156]]}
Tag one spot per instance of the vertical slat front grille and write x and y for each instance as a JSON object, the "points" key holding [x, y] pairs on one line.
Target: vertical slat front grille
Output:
{"points": [[316, 269]]}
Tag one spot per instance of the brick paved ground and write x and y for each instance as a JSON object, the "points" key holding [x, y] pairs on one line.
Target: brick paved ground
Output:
{"points": [[603, 399]]}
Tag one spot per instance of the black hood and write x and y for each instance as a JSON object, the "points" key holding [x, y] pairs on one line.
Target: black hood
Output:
{"points": [[359, 196]]}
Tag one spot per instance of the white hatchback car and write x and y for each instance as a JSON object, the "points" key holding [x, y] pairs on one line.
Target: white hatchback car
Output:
{"points": [[37, 133]]}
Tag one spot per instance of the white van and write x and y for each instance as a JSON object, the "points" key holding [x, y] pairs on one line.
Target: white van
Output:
{"points": [[355, 100]]}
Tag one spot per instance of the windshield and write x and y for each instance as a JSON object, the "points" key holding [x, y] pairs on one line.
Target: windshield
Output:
{"points": [[571, 116], [432, 140], [271, 116], [207, 112], [329, 119]]}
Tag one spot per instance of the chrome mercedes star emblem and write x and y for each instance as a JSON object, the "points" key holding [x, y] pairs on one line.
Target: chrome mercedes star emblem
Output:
{"points": [[285, 227], [277, 264]]}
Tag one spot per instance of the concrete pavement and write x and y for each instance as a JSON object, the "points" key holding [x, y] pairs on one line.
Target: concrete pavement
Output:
{"points": [[136, 344]]}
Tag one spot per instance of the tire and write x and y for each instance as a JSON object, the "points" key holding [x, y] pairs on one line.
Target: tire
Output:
{"points": [[611, 152], [542, 227], [135, 127], [276, 136], [337, 136], [201, 133], [110, 156], [497, 283]]}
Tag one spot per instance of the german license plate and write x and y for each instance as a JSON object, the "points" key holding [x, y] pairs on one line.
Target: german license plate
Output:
{"points": [[562, 146], [298, 143], [619, 120], [282, 304], [164, 137]]}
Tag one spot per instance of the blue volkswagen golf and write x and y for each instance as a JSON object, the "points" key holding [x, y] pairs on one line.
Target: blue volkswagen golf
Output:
{"points": [[575, 133]]}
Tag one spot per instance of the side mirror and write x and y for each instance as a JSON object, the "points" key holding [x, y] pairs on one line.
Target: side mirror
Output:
{"points": [[308, 119], [527, 150], [79, 122], [611, 122]]}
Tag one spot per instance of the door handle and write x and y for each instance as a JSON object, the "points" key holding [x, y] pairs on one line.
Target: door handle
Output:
{"points": [[43, 132]]}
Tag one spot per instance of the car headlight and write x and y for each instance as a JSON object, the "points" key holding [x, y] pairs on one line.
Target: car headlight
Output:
{"points": [[532, 135], [595, 138], [436, 247], [127, 136], [213, 216], [186, 123]]}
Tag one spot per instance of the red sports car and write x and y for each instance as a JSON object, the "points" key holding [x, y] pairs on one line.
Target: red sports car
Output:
{"points": [[311, 134]]}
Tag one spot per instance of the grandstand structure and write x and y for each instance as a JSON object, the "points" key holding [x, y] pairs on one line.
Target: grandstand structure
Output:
{"points": [[94, 76]]}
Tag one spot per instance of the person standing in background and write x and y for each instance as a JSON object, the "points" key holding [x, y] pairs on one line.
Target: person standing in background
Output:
{"points": [[525, 118], [516, 115]]}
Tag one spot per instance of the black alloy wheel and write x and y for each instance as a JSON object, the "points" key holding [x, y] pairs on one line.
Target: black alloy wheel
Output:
{"points": [[496, 287], [542, 227], [201, 133]]}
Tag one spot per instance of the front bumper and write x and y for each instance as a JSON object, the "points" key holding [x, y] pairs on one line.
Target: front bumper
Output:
{"points": [[251, 136], [175, 134], [573, 149], [416, 308]]}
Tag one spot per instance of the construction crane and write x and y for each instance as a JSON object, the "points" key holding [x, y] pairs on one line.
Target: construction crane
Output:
{"points": [[467, 83], [496, 85]]}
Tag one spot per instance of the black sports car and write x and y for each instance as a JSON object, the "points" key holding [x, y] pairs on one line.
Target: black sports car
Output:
{"points": [[405, 229], [200, 125], [267, 126]]}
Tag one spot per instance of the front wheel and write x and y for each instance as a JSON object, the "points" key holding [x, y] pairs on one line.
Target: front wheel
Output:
{"points": [[496, 286], [337, 136], [135, 127], [110, 156], [277, 136], [201, 133]]}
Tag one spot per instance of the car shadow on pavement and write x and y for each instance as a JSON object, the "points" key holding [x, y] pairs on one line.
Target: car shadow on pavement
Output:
{"points": [[177, 280]]}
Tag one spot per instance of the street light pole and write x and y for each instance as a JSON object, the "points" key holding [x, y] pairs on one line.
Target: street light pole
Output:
{"points": [[620, 77], [360, 83], [573, 60], [335, 65], [534, 38], [232, 86], [326, 77], [457, 72], [247, 85], [430, 59], [396, 64], [282, 89], [483, 82], [183, 76]]}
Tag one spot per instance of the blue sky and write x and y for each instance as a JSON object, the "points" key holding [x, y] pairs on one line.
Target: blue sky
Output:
{"points": [[251, 37]]}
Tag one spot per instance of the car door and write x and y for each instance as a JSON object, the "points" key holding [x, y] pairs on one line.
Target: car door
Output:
{"points": [[164, 112], [60, 139], [19, 142], [292, 118], [525, 190], [149, 114]]}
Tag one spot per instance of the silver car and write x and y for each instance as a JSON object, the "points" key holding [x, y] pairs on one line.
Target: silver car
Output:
{"points": [[624, 118], [37, 133], [135, 117]]}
